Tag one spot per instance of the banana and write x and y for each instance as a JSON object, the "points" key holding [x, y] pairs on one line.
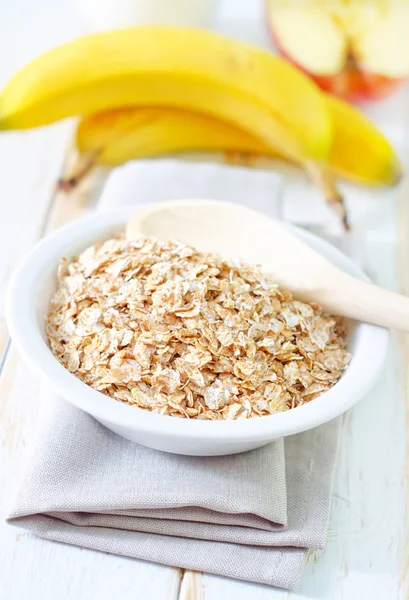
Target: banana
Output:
{"points": [[181, 68], [359, 151], [116, 136]]}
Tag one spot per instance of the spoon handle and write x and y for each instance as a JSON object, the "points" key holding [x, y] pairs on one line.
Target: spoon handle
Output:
{"points": [[364, 301]]}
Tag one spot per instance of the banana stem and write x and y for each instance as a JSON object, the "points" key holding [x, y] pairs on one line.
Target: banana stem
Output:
{"points": [[324, 181], [82, 166]]}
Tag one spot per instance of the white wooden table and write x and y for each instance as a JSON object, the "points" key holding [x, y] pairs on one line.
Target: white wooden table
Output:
{"points": [[367, 554]]}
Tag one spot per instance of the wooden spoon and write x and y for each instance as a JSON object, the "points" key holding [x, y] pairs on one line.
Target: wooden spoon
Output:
{"points": [[235, 231]]}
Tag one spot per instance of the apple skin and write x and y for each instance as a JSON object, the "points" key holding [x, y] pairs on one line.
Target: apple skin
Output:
{"points": [[351, 83], [354, 85]]}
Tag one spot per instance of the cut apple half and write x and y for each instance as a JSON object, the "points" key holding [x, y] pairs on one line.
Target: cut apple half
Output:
{"points": [[310, 36], [357, 50], [384, 47]]}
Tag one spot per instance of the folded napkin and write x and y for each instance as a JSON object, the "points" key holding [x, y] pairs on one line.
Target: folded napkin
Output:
{"points": [[250, 516]]}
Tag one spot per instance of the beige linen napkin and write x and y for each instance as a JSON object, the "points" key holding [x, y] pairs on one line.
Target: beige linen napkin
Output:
{"points": [[250, 516]]}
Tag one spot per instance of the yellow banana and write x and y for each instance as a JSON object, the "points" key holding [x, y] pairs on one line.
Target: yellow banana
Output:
{"points": [[181, 68], [116, 136], [359, 152]]}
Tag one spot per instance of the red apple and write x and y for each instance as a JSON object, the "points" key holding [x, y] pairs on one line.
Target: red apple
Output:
{"points": [[357, 50]]}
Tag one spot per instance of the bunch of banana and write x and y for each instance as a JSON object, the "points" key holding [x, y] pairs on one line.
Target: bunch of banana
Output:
{"points": [[153, 90], [359, 152]]}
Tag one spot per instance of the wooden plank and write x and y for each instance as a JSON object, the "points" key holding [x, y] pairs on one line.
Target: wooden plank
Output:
{"points": [[191, 587], [51, 570], [365, 537], [403, 273], [56, 570], [67, 207], [29, 163]]}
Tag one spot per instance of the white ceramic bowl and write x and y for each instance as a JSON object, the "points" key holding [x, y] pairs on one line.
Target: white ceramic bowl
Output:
{"points": [[28, 297]]}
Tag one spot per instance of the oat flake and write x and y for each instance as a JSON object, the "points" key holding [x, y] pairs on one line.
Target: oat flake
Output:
{"points": [[184, 333]]}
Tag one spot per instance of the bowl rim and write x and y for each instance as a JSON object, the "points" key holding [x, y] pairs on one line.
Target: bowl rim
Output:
{"points": [[365, 366]]}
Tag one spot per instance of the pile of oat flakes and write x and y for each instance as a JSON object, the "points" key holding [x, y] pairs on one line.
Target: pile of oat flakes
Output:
{"points": [[185, 333]]}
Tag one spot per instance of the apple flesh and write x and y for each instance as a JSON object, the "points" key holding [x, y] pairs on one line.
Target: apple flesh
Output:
{"points": [[358, 51]]}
